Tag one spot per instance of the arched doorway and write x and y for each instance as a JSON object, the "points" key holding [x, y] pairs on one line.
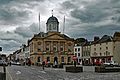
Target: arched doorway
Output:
{"points": [[55, 59]]}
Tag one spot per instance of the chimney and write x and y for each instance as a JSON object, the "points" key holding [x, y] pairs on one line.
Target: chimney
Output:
{"points": [[96, 38]]}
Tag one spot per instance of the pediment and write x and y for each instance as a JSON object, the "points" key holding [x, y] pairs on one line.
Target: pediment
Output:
{"points": [[55, 36]]}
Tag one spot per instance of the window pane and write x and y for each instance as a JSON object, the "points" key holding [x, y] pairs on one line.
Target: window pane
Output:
{"points": [[62, 59], [78, 49], [69, 59]]}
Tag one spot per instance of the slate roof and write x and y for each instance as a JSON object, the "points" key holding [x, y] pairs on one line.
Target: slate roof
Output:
{"points": [[105, 38], [52, 19]]}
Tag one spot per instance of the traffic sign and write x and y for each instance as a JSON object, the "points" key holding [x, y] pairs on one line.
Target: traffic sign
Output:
{"points": [[74, 58]]}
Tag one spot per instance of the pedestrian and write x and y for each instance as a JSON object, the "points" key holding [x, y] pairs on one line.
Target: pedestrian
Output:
{"points": [[10, 63], [29, 62], [43, 64], [55, 64]]}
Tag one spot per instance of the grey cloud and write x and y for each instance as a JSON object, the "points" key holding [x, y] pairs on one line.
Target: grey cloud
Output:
{"points": [[12, 16], [94, 30], [10, 45], [2, 2], [98, 18], [27, 32], [91, 15], [8, 1], [8, 36], [68, 5], [17, 11]]}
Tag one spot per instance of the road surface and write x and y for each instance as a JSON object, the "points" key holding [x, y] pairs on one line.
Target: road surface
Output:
{"points": [[36, 73]]}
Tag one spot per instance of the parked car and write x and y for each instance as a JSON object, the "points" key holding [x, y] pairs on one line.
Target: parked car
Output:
{"points": [[2, 62], [112, 63], [15, 63]]}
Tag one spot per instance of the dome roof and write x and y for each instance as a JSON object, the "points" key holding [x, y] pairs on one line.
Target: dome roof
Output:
{"points": [[52, 19]]}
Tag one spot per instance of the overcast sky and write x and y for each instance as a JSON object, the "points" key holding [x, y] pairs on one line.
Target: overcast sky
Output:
{"points": [[84, 18]]}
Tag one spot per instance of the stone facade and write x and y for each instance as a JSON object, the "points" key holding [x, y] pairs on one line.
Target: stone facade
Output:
{"points": [[116, 47], [52, 46], [102, 50], [86, 53]]}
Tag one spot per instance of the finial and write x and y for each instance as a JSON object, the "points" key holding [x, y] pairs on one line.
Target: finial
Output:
{"points": [[52, 12]]}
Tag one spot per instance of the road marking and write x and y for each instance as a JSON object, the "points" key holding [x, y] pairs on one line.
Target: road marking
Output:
{"points": [[18, 72], [32, 68], [40, 77], [42, 71], [9, 74]]}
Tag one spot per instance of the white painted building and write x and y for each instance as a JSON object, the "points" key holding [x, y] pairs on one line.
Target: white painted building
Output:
{"points": [[78, 53], [26, 52]]}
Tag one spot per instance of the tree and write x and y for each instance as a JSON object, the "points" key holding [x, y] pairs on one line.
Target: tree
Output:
{"points": [[79, 40]]}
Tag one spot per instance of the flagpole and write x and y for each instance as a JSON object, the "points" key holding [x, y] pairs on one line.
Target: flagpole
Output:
{"points": [[64, 25], [39, 21]]}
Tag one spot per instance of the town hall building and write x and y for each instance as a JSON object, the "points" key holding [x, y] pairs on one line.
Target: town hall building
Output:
{"points": [[52, 46]]}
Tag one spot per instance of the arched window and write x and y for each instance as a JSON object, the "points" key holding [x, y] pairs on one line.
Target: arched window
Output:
{"points": [[62, 59], [48, 59], [50, 27]]}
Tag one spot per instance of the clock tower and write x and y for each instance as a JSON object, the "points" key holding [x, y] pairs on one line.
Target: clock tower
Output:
{"points": [[52, 24]]}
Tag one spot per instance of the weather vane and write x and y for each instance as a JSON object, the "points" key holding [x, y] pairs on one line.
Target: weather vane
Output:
{"points": [[52, 12]]}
